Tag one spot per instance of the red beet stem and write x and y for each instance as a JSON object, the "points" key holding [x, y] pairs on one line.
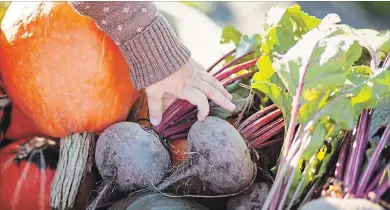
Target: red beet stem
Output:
{"points": [[269, 144], [382, 188], [180, 128], [236, 69], [343, 156], [243, 76], [221, 59], [256, 116], [173, 108], [178, 136], [264, 129], [231, 63], [377, 178], [266, 136], [177, 109], [259, 123], [186, 116], [358, 152], [361, 186]]}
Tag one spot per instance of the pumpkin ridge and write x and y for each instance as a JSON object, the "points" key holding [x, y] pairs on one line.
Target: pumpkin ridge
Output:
{"points": [[43, 178], [18, 186]]}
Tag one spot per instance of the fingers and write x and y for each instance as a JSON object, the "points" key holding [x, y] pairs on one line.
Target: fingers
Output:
{"points": [[199, 66], [215, 83], [155, 109], [214, 94], [197, 98]]}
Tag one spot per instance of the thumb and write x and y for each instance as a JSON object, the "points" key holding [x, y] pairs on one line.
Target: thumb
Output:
{"points": [[155, 109]]}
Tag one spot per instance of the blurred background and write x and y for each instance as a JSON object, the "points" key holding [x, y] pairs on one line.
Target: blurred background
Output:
{"points": [[247, 16], [200, 23], [202, 34]]}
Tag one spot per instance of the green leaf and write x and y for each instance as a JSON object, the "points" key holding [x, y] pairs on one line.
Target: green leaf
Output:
{"points": [[372, 91], [243, 44], [266, 70], [247, 43], [324, 69], [239, 99], [277, 16], [318, 165], [302, 21], [378, 41], [358, 74], [348, 110], [266, 81], [316, 142], [380, 117], [3, 9], [363, 95], [334, 93], [307, 110], [230, 34], [292, 19], [345, 116], [278, 96], [278, 39]]}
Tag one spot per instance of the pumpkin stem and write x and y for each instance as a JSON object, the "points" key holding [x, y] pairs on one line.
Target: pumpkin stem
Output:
{"points": [[76, 152]]}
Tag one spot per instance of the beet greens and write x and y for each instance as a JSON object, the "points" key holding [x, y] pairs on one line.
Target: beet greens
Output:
{"points": [[310, 73]]}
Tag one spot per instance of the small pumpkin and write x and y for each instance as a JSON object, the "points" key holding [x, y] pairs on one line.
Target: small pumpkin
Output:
{"points": [[20, 127], [61, 71], [27, 169]]}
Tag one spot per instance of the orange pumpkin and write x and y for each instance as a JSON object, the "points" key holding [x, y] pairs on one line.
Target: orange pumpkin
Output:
{"points": [[20, 126], [61, 71], [140, 111], [27, 169]]}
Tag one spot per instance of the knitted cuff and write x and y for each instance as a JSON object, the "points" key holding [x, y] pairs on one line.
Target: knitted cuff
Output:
{"points": [[155, 53]]}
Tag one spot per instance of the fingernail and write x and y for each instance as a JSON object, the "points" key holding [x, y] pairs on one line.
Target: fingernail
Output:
{"points": [[232, 107], [154, 121]]}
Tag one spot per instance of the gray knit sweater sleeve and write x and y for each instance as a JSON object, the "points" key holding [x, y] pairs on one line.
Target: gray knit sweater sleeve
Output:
{"points": [[149, 44]]}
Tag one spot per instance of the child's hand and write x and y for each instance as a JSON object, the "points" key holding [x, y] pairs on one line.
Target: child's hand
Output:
{"points": [[191, 83]]}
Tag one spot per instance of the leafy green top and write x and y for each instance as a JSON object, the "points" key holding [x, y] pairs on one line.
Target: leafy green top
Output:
{"points": [[339, 82]]}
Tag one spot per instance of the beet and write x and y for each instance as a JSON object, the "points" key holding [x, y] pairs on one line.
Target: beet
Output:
{"points": [[149, 201], [218, 156], [131, 157], [329, 203], [253, 198]]}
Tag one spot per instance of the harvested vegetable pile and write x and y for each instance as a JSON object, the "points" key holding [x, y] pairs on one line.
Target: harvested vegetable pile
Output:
{"points": [[312, 122]]}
